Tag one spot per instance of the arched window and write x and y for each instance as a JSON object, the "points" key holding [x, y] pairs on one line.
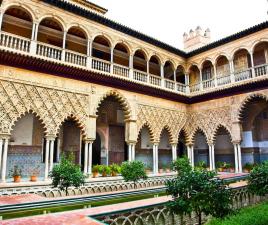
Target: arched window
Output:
{"points": [[76, 40], [207, 71], [154, 66], [121, 55], [139, 61], [101, 48], [180, 75], [169, 70]]}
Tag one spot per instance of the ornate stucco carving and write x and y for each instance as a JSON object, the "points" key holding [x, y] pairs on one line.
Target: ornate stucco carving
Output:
{"points": [[52, 106]]}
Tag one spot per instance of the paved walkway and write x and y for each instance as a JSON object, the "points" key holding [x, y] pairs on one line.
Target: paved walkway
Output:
{"points": [[81, 217]]}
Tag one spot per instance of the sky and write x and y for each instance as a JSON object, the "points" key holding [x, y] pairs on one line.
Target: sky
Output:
{"points": [[167, 20]]}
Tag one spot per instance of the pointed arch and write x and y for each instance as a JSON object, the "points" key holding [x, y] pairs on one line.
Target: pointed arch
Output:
{"points": [[76, 119], [187, 136], [21, 115], [246, 101], [218, 127], [170, 136], [128, 111], [196, 130], [151, 132]]}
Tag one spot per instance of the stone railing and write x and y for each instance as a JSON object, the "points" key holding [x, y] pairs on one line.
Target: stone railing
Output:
{"points": [[17, 43], [161, 215], [90, 187]]}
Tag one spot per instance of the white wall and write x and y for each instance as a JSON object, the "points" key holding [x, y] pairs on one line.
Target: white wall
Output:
{"points": [[145, 139], [22, 133]]}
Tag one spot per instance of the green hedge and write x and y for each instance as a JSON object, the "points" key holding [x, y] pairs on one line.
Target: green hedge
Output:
{"points": [[255, 215]]}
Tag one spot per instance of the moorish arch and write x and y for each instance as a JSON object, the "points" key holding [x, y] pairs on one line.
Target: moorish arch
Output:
{"points": [[252, 115], [26, 149], [127, 108], [113, 114], [200, 146], [144, 146], [224, 149]]}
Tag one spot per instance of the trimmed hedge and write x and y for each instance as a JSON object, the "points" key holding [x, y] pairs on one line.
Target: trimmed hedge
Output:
{"points": [[255, 215]]}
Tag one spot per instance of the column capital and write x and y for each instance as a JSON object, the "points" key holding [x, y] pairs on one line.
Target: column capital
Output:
{"points": [[89, 140], [5, 136], [237, 142], [156, 143], [50, 137], [131, 142]]}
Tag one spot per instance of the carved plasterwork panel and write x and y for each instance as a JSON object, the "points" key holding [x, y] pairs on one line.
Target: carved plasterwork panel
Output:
{"points": [[157, 119], [52, 106]]}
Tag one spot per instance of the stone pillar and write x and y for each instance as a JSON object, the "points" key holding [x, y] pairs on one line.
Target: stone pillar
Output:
{"points": [[148, 67], [131, 152], [4, 159], [155, 158], [174, 152], [46, 158], [239, 157], [112, 60], [252, 64], [201, 80], [236, 158], [63, 46], [33, 45], [86, 157], [131, 66], [187, 83], [89, 53], [89, 170], [232, 72], [215, 75], [1, 19], [51, 153], [162, 75], [211, 157], [190, 154]]}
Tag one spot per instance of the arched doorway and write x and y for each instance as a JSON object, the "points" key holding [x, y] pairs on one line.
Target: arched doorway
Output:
{"points": [[69, 141], [181, 146], [144, 148], [26, 147], [254, 120], [224, 149], [201, 149], [164, 151], [111, 124], [96, 152]]}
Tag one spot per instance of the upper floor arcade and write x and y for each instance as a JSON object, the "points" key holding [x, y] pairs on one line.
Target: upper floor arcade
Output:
{"points": [[49, 37]]}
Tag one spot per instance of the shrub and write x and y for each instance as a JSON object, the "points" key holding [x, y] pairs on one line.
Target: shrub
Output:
{"points": [[258, 180], [67, 174], [202, 164], [181, 165], [200, 192], [248, 166], [133, 171], [95, 168]]}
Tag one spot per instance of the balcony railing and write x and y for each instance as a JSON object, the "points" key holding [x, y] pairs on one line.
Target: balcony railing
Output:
{"points": [[223, 80], [13, 41], [155, 80], [75, 58], [20, 44], [121, 70]]}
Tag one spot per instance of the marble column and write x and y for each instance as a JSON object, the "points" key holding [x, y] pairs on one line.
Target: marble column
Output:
{"points": [[155, 158], [85, 157], [51, 154], [46, 158], [89, 170], [174, 152], [4, 158]]}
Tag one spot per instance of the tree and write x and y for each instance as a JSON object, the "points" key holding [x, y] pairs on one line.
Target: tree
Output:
{"points": [[181, 165], [67, 174], [258, 179], [133, 171], [198, 191]]}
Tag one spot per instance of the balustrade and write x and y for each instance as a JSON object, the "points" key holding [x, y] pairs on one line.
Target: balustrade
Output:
{"points": [[195, 87], [222, 80], [101, 65], [170, 84], [18, 43], [49, 51], [75, 58], [15, 42], [243, 75], [140, 76], [261, 70], [208, 83], [155, 80], [121, 70]]}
